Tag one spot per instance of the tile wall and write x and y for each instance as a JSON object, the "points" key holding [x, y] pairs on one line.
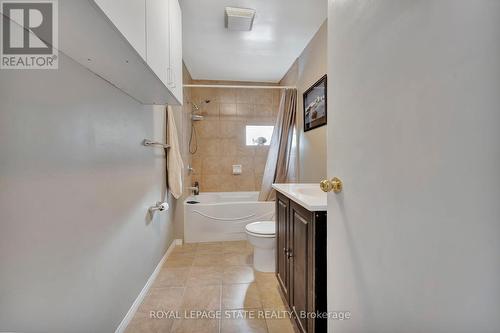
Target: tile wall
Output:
{"points": [[221, 137]]}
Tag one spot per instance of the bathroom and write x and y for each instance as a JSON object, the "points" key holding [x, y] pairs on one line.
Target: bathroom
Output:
{"points": [[249, 166]]}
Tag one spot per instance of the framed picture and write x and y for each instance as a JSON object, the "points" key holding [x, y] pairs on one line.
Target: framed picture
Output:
{"points": [[315, 105]]}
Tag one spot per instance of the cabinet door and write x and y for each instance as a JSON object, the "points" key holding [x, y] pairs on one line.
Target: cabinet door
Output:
{"points": [[129, 17], [301, 223], [175, 49], [157, 26], [282, 271]]}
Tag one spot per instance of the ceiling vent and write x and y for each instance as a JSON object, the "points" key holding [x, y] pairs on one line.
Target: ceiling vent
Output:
{"points": [[239, 19]]}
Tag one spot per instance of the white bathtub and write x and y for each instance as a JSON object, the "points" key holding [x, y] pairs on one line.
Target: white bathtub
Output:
{"points": [[222, 216]]}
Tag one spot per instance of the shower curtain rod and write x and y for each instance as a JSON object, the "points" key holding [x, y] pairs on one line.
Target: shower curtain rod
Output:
{"points": [[236, 86]]}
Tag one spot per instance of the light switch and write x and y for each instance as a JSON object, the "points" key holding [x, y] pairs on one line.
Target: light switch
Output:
{"points": [[236, 169]]}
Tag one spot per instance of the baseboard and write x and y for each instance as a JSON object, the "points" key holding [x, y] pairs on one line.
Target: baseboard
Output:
{"points": [[133, 309]]}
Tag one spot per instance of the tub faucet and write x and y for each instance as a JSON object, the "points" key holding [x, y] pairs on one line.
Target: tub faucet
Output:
{"points": [[195, 189]]}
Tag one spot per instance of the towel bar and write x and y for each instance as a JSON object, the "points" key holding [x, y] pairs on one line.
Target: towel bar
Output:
{"points": [[147, 142]]}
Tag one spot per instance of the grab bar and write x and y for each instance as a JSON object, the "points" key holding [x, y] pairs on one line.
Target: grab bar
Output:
{"points": [[147, 142]]}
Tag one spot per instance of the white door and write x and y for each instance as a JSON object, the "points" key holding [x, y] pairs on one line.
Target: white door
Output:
{"points": [[158, 40], [129, 17], [414, 133], [176, 50]]}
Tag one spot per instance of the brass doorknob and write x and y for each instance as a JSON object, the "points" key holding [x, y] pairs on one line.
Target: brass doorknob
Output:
{"points": [[334, 185]]}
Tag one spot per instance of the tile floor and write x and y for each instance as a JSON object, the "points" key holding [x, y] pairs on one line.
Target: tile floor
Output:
{"points": [[212, 278]]}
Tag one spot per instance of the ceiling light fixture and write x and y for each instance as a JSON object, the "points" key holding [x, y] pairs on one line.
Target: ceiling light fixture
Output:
{"points": [[239, 19]]}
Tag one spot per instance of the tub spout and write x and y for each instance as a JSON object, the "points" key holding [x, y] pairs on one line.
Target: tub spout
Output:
{"points": [[195, 189]]}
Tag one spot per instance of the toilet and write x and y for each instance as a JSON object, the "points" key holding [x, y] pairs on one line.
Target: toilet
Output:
{"points": [[262, 236]]}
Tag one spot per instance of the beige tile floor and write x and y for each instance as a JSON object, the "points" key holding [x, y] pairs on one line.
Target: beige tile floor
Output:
{"points": [[212, 278]]}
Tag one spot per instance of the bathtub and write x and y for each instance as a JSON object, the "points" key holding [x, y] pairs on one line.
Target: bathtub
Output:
{"points": [[222, 216]]}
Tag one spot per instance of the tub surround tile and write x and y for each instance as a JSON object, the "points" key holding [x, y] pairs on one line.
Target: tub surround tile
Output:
{"points": [[227, 95], [228, 110], [222, 137]]}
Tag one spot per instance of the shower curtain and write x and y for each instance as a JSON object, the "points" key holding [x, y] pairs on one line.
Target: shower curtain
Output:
{"points": [[280, 165]]}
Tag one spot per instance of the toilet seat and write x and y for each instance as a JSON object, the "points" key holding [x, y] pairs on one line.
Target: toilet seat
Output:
{"points": [[264, 229]]}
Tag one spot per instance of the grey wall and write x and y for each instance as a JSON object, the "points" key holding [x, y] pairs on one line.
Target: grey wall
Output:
{"points": [[76, 245], [310, 66], [413, 239]]}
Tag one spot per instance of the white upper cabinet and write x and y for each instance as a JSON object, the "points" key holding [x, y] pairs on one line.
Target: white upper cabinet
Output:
{"points": [[164, 43], [129, 17], [175, 18], [136, 45], [158, 39]]}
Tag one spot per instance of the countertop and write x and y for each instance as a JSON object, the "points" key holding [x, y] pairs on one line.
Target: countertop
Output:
{"points": [[308, 196]]}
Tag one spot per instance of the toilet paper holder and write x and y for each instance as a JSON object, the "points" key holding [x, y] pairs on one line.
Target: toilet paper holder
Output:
{"points": [[159, 206]]}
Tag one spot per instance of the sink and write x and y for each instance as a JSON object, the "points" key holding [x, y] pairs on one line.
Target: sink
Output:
{"points": [[309, 196]]}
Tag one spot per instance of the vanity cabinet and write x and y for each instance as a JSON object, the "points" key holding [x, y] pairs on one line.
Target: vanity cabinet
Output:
{"points": [[301, 262]]}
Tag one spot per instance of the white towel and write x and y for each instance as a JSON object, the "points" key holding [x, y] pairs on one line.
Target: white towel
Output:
{"points": [[175, 165]]}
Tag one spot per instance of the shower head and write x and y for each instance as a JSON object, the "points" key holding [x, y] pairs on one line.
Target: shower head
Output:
{"points": [[196, 107]]}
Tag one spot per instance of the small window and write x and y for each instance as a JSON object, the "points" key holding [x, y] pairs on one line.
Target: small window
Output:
{"points": [[259, 135]]}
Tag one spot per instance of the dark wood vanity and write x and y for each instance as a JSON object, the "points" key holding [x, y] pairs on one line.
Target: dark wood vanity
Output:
{"points": [[301, 262]]}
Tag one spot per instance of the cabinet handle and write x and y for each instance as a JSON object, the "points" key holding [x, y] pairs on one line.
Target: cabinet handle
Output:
{"points": [[290, 254]]}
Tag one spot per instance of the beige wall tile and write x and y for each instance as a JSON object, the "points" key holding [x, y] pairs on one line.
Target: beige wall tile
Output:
{"points": [[264, 110], [226, 95], [244, 96], [245, 184], [208, 128], [245, 110], [221, 137], [276, 97], [263, 96], [227, 110], [212, 165]]}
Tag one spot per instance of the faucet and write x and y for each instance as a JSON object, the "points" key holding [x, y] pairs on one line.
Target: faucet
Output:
{"points": [[195, 189]]}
